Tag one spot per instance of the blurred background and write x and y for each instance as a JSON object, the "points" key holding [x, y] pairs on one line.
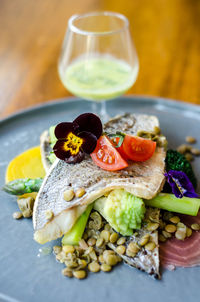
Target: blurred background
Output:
{"points": [[166, 34]]}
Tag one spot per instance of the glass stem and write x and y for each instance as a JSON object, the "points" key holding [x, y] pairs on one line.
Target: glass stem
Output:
{"points": [[103, 112], [95, 108]]}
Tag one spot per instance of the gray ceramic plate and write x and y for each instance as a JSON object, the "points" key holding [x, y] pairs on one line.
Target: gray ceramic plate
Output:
{"points": [[26, 277]]}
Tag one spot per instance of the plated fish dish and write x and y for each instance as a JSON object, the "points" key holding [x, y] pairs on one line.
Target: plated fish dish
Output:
{"points": [[113, 193]]}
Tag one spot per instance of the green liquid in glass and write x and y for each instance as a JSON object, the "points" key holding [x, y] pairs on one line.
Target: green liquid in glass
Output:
{"points": [[99, 78]]}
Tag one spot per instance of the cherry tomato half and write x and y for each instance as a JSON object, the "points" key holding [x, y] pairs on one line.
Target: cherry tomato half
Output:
{"points": [[106, 156], [137, 148]]}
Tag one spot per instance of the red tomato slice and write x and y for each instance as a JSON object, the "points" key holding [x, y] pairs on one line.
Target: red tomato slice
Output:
{"points": [[107, 157], [137, 148], [115, 142]]}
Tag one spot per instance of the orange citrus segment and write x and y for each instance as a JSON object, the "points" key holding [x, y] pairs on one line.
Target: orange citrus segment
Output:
{"points": [[26, 165]]}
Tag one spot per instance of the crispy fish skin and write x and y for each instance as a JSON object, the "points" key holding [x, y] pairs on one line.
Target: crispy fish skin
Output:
{"points": [[144, 179], [131, 123], [144, 260]]}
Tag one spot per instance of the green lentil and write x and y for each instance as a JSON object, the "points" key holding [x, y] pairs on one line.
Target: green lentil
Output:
{"points": [[105, 267], [195, 226], [105, 235], [91, 241], [108, 252], [68, 195], [83, 244], [107, 227], [17, 215], [92, 233], [180, 225], [99, 242], [189, 156], [151, 226], [144, 239], [80, 192], [68, 249], [132, 248], [188, 232], [96, 222], [195, 151], [184, 148], [180, 234], [130, 253], [67, 272], [170, 228], [150, 246], [71, 264], [161, 238], [174, 219], [101, 259], [190, 139], [121, 249], [114, 237], [111, 260], [166, 234], [82, 263], [81, 274], [93, 255], [94, 267], [121, 240]]}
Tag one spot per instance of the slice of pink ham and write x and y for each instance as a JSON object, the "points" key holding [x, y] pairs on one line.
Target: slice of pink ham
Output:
{"points": [[185, 253]]}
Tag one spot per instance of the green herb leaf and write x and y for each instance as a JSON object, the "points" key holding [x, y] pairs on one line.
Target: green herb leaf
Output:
{"points": [[119, 135]]}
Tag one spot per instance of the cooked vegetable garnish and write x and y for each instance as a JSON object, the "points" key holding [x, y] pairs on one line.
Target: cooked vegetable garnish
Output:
{"points": [[123, 211], [169, 202], [107, 157], [26, 165], [75, 234], [23, 185], [155, 136], [176, 161], [26, 205], [180, 184], [77, 138]]}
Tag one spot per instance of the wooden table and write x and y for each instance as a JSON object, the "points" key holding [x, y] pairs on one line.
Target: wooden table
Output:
{"points": [[166, 34]]}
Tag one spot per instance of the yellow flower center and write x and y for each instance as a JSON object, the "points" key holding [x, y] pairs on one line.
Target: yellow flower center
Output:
{"points": [[73, 143]]}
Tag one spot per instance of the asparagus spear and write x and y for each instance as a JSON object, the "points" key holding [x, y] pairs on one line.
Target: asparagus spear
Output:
{"points": [[23, 185], [170, 202]]}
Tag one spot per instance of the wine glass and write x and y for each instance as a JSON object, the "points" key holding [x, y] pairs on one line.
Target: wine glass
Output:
{"points": [[98, 61]]}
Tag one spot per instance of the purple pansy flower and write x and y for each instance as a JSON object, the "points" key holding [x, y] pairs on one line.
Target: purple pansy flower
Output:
{"points": [[77, 138], [180, 184]]}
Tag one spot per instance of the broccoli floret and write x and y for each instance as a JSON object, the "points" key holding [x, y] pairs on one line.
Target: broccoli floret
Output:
{"points": [[176, 161]]}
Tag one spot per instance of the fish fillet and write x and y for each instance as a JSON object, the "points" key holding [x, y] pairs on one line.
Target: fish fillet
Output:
{"points": [[143, 179]]}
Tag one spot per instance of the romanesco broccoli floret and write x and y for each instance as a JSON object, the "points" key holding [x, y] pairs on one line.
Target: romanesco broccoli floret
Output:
{"points": [[122, 210]]}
